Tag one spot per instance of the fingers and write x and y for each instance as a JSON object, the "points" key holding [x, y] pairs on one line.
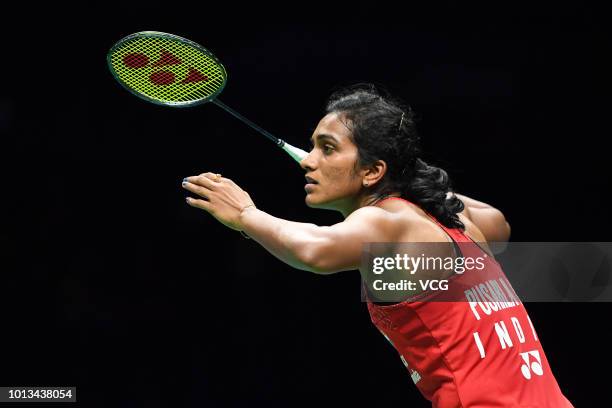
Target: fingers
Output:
{"points": [[216, 177], [204, 180], [204, 185], [202, 204], [197, 189]]}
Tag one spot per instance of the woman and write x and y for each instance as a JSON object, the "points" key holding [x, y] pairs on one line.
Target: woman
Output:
{"points": [[481, 351]]}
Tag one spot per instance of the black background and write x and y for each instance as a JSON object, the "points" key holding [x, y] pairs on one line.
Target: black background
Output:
{"points": [[112, 283]]}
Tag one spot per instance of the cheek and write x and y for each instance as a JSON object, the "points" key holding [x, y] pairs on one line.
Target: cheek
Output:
{"points": [[340, 177]]}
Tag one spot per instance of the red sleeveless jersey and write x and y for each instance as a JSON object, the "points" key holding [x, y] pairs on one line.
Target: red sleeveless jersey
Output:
{"points": [[480, 351]]}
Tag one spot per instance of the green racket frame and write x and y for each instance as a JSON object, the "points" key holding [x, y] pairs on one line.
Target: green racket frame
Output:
{"points": [[171, 37]]}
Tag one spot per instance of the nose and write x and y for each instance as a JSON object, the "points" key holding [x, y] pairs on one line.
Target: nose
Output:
{"points": [[307, 163]]}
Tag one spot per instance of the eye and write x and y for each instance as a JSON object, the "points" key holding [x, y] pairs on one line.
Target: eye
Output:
{"points": [[328, 148]]}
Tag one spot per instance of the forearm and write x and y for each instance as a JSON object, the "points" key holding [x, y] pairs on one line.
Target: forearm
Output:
{"points": [[291, 242]]}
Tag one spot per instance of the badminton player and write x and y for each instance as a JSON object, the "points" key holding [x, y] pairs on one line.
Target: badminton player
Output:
{"points": [[366, 163]]}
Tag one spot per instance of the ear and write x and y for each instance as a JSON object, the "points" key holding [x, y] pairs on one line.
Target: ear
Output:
{"points": [[373, 173]]}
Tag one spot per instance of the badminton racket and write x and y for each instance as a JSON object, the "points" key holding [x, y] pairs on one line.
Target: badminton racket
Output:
{"points": [[169, 70]]}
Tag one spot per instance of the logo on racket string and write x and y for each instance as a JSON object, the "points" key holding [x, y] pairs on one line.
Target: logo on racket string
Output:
{"points": [[136, 60]]}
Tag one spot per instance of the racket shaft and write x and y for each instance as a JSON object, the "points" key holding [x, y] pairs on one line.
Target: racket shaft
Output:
{"points": [[245, 120], [296, 153]]}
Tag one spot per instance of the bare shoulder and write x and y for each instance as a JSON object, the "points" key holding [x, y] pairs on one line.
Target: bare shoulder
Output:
{"points": [[471, 230], [380, 223], [486, 219], [371, 215], [416, 226], [411, 222], [367, 211]]}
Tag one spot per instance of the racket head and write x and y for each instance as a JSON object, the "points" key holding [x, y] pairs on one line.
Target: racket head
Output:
{"points": [[166, 69]]}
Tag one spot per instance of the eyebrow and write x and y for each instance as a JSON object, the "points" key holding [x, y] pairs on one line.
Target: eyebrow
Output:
{"points": [[325, 136]]}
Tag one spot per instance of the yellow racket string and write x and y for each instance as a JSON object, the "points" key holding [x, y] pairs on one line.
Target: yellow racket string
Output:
{"points": [[167, 70]]}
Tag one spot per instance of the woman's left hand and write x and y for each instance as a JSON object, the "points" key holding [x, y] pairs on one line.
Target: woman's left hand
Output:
{"points": [[220, 197]]}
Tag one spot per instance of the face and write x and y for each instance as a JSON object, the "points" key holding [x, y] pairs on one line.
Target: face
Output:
{"points": [[331, 164]]}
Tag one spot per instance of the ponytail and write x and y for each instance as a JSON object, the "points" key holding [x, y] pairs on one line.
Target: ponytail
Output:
{"points": [[427, 187]]}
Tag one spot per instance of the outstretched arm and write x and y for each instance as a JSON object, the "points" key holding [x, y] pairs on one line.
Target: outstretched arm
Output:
{"points": [[318, 249], [304, 246]]}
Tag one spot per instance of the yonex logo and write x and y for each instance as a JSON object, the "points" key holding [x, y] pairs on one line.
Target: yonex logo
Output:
{"points": [[140, 60], [534, 366]]}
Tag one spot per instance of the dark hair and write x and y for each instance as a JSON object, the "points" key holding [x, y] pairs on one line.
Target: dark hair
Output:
{"points": [[383, 129]]}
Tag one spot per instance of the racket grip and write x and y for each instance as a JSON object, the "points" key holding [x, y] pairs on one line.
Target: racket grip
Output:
{"points": [[296, 153]]}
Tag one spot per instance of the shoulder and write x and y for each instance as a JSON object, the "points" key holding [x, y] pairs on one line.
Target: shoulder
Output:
{"points": [[379, 223], [395, 220], [368, 212], [471, 229], [371, 215], [489, 221]]}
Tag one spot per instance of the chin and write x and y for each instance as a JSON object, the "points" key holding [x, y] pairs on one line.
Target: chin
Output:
{"points": [[310, 202], [314, 203]]}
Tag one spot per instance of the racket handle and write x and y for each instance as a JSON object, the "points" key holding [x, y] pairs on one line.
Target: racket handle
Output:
{"points": [[296, 153]]}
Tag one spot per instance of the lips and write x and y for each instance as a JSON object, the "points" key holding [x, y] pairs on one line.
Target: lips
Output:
{"points": [[309, 187], [310, 184], [310, 180]]}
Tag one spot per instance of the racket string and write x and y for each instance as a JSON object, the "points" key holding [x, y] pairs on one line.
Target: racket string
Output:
{"points": [[170, 62]]}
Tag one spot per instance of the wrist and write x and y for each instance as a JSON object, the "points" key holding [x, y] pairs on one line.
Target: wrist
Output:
{"points": [[243, 212]]}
